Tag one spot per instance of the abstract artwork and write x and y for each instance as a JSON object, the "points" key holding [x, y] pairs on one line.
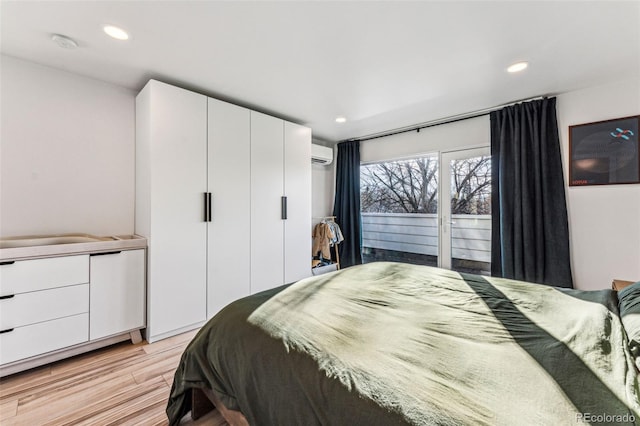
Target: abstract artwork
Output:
{"points": [[604, 152]]}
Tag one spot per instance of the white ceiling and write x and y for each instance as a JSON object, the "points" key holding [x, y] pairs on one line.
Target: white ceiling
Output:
{"points": [[383, 65]]}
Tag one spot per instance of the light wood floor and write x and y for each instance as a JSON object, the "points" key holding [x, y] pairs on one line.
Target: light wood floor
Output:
{"points": [[123, 384]]}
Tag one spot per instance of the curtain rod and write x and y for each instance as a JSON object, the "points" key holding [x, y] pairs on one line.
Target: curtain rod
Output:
{"points": [[444, 120]]}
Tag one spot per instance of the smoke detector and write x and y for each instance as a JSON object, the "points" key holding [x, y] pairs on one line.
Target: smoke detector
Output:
{"points": [[64, 41]]}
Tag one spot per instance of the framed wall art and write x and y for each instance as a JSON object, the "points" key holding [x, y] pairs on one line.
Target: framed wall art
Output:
{"points": [[604, 152]]}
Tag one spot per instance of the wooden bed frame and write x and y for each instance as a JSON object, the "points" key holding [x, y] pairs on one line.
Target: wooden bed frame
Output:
{"points": [[203, 401]]}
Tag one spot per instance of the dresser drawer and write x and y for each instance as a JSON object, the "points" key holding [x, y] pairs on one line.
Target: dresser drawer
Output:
{"points": [[38, 306], [23, 276], [36, 339]]}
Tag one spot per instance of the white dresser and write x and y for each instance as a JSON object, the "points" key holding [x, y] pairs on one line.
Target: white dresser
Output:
{"points": [[44, 306], [56, 306]]}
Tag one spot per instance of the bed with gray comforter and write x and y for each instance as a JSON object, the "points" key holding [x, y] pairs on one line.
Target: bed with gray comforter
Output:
{"points": [[390, 343]]}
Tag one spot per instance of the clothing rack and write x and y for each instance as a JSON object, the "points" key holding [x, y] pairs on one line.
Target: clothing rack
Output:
{"points": [[335, 246]]}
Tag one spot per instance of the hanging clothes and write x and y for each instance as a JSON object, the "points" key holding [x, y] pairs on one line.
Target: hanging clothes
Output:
{"points": [[336, 233], [322, 237]]}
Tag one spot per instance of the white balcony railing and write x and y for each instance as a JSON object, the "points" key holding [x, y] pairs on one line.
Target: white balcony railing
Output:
{"points": [[418, 233]]}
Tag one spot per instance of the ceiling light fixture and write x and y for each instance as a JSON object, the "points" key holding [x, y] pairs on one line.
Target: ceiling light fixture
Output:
{"points": [[64, 41], [518, 66], [115, 32], [341, 120]]}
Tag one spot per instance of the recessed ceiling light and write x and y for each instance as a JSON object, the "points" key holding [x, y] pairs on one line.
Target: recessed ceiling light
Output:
{"points": [[115, 32], [64, 41], [518, 66], [341, 119]]}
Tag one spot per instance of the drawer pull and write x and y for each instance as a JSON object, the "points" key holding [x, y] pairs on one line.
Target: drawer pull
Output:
{"points": [[10, 262], [8, 296], [8, 330], [106, 253]]}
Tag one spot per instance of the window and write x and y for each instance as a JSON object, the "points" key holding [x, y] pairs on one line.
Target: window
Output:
{"points": [[401, 219]]}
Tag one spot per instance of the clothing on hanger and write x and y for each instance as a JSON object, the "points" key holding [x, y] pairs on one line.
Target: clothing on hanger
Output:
{"points": [[326, 234], [336, 232], [322, 237]]}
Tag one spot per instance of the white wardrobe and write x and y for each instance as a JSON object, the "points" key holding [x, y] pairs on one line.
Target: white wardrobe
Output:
{"points": [[223, 195]]}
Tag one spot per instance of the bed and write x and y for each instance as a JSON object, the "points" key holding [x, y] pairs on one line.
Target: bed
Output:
{"points": [[389, 343]]}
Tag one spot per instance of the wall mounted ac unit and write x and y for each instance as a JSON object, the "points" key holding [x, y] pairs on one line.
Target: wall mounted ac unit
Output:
{"points": [[321, 154]]}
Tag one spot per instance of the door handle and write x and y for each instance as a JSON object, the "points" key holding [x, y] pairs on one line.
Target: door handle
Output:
{"points": [[283, 207], [207, 206]]}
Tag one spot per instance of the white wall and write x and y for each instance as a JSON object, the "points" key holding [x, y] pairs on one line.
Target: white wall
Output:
{"points": [[322, 183], [604, 221], [66, 153], [323, 187], [474, 132]]}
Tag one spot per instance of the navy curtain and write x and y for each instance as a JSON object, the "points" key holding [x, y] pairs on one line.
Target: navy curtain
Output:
{"points": [[346, 206], [530, 231]]}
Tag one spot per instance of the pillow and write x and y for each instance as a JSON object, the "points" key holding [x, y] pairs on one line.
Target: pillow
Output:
{"points": [[629, 307]]}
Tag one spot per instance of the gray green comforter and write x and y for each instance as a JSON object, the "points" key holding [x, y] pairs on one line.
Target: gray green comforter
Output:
{"points": [[388, 343]]}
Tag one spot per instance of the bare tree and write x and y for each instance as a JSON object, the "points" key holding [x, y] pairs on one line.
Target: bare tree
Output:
{"points": [[411, 186], [407, 186], [471, 186]]}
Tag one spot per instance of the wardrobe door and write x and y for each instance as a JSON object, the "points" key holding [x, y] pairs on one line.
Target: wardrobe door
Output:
{"points": [[297, 188], [267, 224], [171, 178], [229, 182]]}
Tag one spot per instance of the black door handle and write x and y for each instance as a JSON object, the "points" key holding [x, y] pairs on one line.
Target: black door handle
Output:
{"points": [[283, 207], [207, 206]]}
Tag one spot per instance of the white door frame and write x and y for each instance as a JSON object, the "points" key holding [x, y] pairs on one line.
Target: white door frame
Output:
{"points": [[444, 199]]}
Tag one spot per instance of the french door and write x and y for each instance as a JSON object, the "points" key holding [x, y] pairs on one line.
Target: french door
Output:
{"points": [[465, 210]]}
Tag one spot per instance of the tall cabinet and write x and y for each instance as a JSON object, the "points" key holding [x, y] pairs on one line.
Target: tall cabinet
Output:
{"points": [[171, 180], [223, 196], [229, 182], [280, 157], [297, 181]]}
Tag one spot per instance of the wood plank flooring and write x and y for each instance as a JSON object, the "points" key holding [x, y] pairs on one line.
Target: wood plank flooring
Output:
{"points": [[123, 384]]}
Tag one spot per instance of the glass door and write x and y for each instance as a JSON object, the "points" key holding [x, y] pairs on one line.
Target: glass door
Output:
{"points": [[465, 211], [399, 202]]}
